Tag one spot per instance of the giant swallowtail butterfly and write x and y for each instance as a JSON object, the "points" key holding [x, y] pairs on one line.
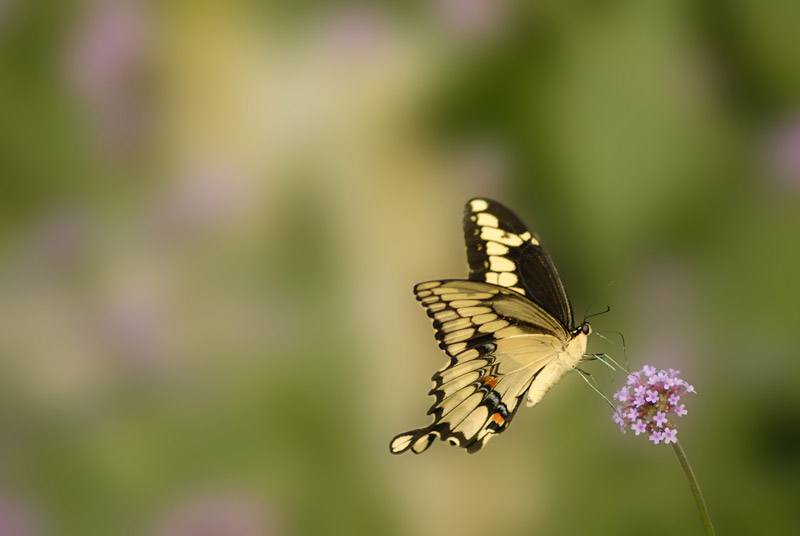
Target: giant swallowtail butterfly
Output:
{"points": [[508, 331]]}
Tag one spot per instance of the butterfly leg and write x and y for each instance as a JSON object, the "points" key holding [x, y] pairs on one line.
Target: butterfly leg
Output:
{"points": [[590, 381], [602, 358], [598, 357], [606, 356], [623, 346]]}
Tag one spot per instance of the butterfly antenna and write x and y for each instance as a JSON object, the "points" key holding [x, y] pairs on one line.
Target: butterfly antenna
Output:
{"points": [[586, 312], [607, 310], [585, 376], [588, 308]]}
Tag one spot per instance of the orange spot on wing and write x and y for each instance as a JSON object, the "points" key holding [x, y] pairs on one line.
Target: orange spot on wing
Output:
{"points": [[490, 381], [497, 418]]}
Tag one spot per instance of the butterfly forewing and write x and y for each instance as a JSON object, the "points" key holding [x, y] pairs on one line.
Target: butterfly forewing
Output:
{"points": [[497, 341], [501, 251]]}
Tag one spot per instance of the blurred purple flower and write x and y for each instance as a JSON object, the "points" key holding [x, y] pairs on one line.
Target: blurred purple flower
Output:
{"points": [[206, 197], [17, 520], [6, 9], [784, 153], [59, 240], [473, 18], [354, 32], [106, 67], [669, 329], [133, 324], [652, 415], [481, 165], [218, 515]]}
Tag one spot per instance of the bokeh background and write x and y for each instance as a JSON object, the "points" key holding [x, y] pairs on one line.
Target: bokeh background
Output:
{"points": [[212, 215]]}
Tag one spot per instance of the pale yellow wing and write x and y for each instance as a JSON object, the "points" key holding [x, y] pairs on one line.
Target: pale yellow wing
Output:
{"points": [[497, 342]]}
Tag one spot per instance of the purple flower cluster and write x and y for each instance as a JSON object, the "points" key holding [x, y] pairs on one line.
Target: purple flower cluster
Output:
{"points": [[648, 399]]}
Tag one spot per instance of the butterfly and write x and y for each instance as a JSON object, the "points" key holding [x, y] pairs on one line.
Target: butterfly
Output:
{"points": [[508, 332]]}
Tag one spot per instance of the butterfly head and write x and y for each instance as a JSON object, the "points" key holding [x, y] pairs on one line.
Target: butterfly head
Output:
{"points": [[576, 347], [585, 329]]}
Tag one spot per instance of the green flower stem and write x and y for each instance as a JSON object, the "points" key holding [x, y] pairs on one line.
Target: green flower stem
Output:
{"points": [[698, 495]]}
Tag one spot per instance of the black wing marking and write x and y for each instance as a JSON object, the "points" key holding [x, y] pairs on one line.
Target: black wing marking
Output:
{"points": [[497, 342], [501, 251]]}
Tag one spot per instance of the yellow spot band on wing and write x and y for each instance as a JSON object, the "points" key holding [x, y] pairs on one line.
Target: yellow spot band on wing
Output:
{"points": [[478, 205], [488, 220]]}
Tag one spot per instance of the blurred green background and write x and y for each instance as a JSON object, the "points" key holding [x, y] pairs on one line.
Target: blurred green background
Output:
{"points": [[212, 215]]}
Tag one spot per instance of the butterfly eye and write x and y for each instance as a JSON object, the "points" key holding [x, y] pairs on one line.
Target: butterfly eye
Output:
{"points": [[586, 328]]}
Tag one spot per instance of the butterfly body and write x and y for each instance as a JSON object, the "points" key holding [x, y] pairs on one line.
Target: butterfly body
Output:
{"points": [[567, 360], [508, 331]]}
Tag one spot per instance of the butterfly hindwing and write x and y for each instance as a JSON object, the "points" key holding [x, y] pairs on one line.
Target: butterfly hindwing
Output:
{"points": [[497, 342], [501, 251]]}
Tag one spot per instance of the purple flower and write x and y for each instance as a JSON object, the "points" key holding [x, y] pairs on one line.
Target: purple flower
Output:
{"points": [[639, 427], [617, 418], [656, 437], [660, 419], [622, 395], [654, 399], [670, 435]]}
